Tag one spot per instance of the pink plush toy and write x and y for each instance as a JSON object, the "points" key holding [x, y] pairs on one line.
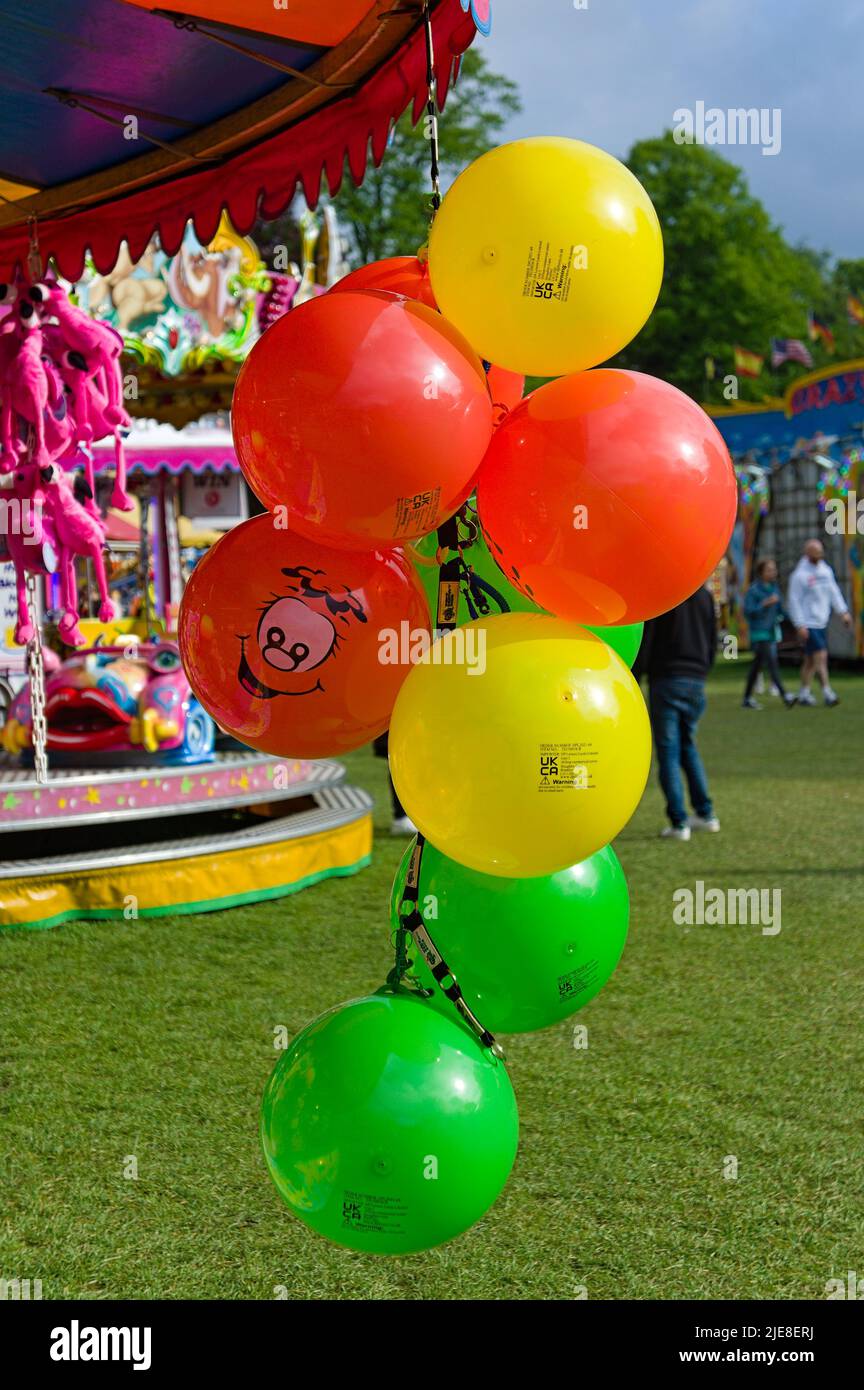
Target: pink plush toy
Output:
{"points": [[97, 342], [25, 391], [61, 389], [78, 533], [54, 528], [31, 544], [84, 405], [84, 346]]}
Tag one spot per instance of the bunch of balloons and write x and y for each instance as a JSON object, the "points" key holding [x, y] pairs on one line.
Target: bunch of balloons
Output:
{"points": [[519, 744]]}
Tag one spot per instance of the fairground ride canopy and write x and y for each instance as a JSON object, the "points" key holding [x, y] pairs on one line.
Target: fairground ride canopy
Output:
{"points": [[120, 119], [827, 403]]}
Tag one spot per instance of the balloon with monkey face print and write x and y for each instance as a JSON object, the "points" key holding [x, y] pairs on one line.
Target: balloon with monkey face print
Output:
{"points": [[287, 643]]}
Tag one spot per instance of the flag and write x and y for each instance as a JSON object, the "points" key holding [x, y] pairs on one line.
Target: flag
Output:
{"points": [[747, 363], [818, 328], [855, 310], [789, 350]]}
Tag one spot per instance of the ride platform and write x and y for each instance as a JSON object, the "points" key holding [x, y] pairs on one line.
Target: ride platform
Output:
{"points": [[153, 841]]}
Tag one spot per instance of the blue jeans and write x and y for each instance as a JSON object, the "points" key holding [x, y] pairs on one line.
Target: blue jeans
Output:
{"points": [[677, 703]]}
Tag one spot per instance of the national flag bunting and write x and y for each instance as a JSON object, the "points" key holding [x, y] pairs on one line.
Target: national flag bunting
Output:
{"points": [[789, 350], [855, 310], [748, 363], [818, 328]]}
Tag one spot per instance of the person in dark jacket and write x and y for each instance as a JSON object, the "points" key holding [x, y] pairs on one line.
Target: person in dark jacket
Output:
{"points": [[676, 654]]}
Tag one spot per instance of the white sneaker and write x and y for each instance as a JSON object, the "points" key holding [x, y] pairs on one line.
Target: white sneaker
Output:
{"points": [[830, 696], [403, 825], [805, 697], [775, 690], [701, 823], [675, 832]]}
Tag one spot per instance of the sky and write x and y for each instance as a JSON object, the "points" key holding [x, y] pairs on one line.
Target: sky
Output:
{"points": [[616, 71]]}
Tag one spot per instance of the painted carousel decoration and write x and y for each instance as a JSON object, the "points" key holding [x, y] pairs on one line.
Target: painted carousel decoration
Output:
{"points": [[176, 313], [115, 705], [187, 321]]}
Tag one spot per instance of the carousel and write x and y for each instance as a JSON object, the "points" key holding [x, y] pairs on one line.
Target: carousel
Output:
{"points": [[132, 293]]}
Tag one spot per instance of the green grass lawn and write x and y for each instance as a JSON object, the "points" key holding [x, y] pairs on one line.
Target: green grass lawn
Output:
{"points": [[154, 1039]]}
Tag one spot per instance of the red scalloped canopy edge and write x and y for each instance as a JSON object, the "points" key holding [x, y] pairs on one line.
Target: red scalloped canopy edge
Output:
{"points": [[259, 182]]}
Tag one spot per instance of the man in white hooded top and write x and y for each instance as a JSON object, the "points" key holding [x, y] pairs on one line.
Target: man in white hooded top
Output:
{"points": [[813, 595]]}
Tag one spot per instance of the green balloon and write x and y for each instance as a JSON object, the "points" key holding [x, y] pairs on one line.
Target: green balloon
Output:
{"points": [[527, 952], [480, 560], [388, 1127], [624, 638]]}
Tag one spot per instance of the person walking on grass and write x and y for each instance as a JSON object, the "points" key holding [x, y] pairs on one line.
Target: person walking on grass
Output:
{"points": [[763, 609], [813, 595], [401, 823], [676, 654]]}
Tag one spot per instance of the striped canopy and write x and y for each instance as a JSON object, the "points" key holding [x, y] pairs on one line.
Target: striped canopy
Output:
{"points": [[121, 118]]}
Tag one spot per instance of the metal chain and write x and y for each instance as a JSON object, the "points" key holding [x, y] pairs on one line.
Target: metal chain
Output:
{"points": [[34, 255], [36, 672], [401, 938], [35, 666], [432, 111]]}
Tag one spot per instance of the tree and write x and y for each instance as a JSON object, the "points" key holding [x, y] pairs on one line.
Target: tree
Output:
{"points": [[730, 276], [846, 281], [388, 215]]}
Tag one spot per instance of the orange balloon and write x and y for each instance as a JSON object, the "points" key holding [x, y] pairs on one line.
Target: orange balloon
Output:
{"points": [[365, 416], [409, 275], [297, 649], [505, 388], [399, 274], [607, 497]]}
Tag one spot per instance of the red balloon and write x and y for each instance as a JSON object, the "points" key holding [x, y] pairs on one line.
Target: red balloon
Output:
{"points": [[399, 274], [290, 645], [607, 496], [365, 416]]}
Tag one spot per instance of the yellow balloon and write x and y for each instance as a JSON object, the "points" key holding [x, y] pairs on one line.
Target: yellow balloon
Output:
{"points": [[547, 254], [521, 744]]}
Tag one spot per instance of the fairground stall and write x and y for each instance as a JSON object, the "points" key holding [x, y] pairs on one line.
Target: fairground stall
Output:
{"points": [[132, 290], [800, 467]]}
